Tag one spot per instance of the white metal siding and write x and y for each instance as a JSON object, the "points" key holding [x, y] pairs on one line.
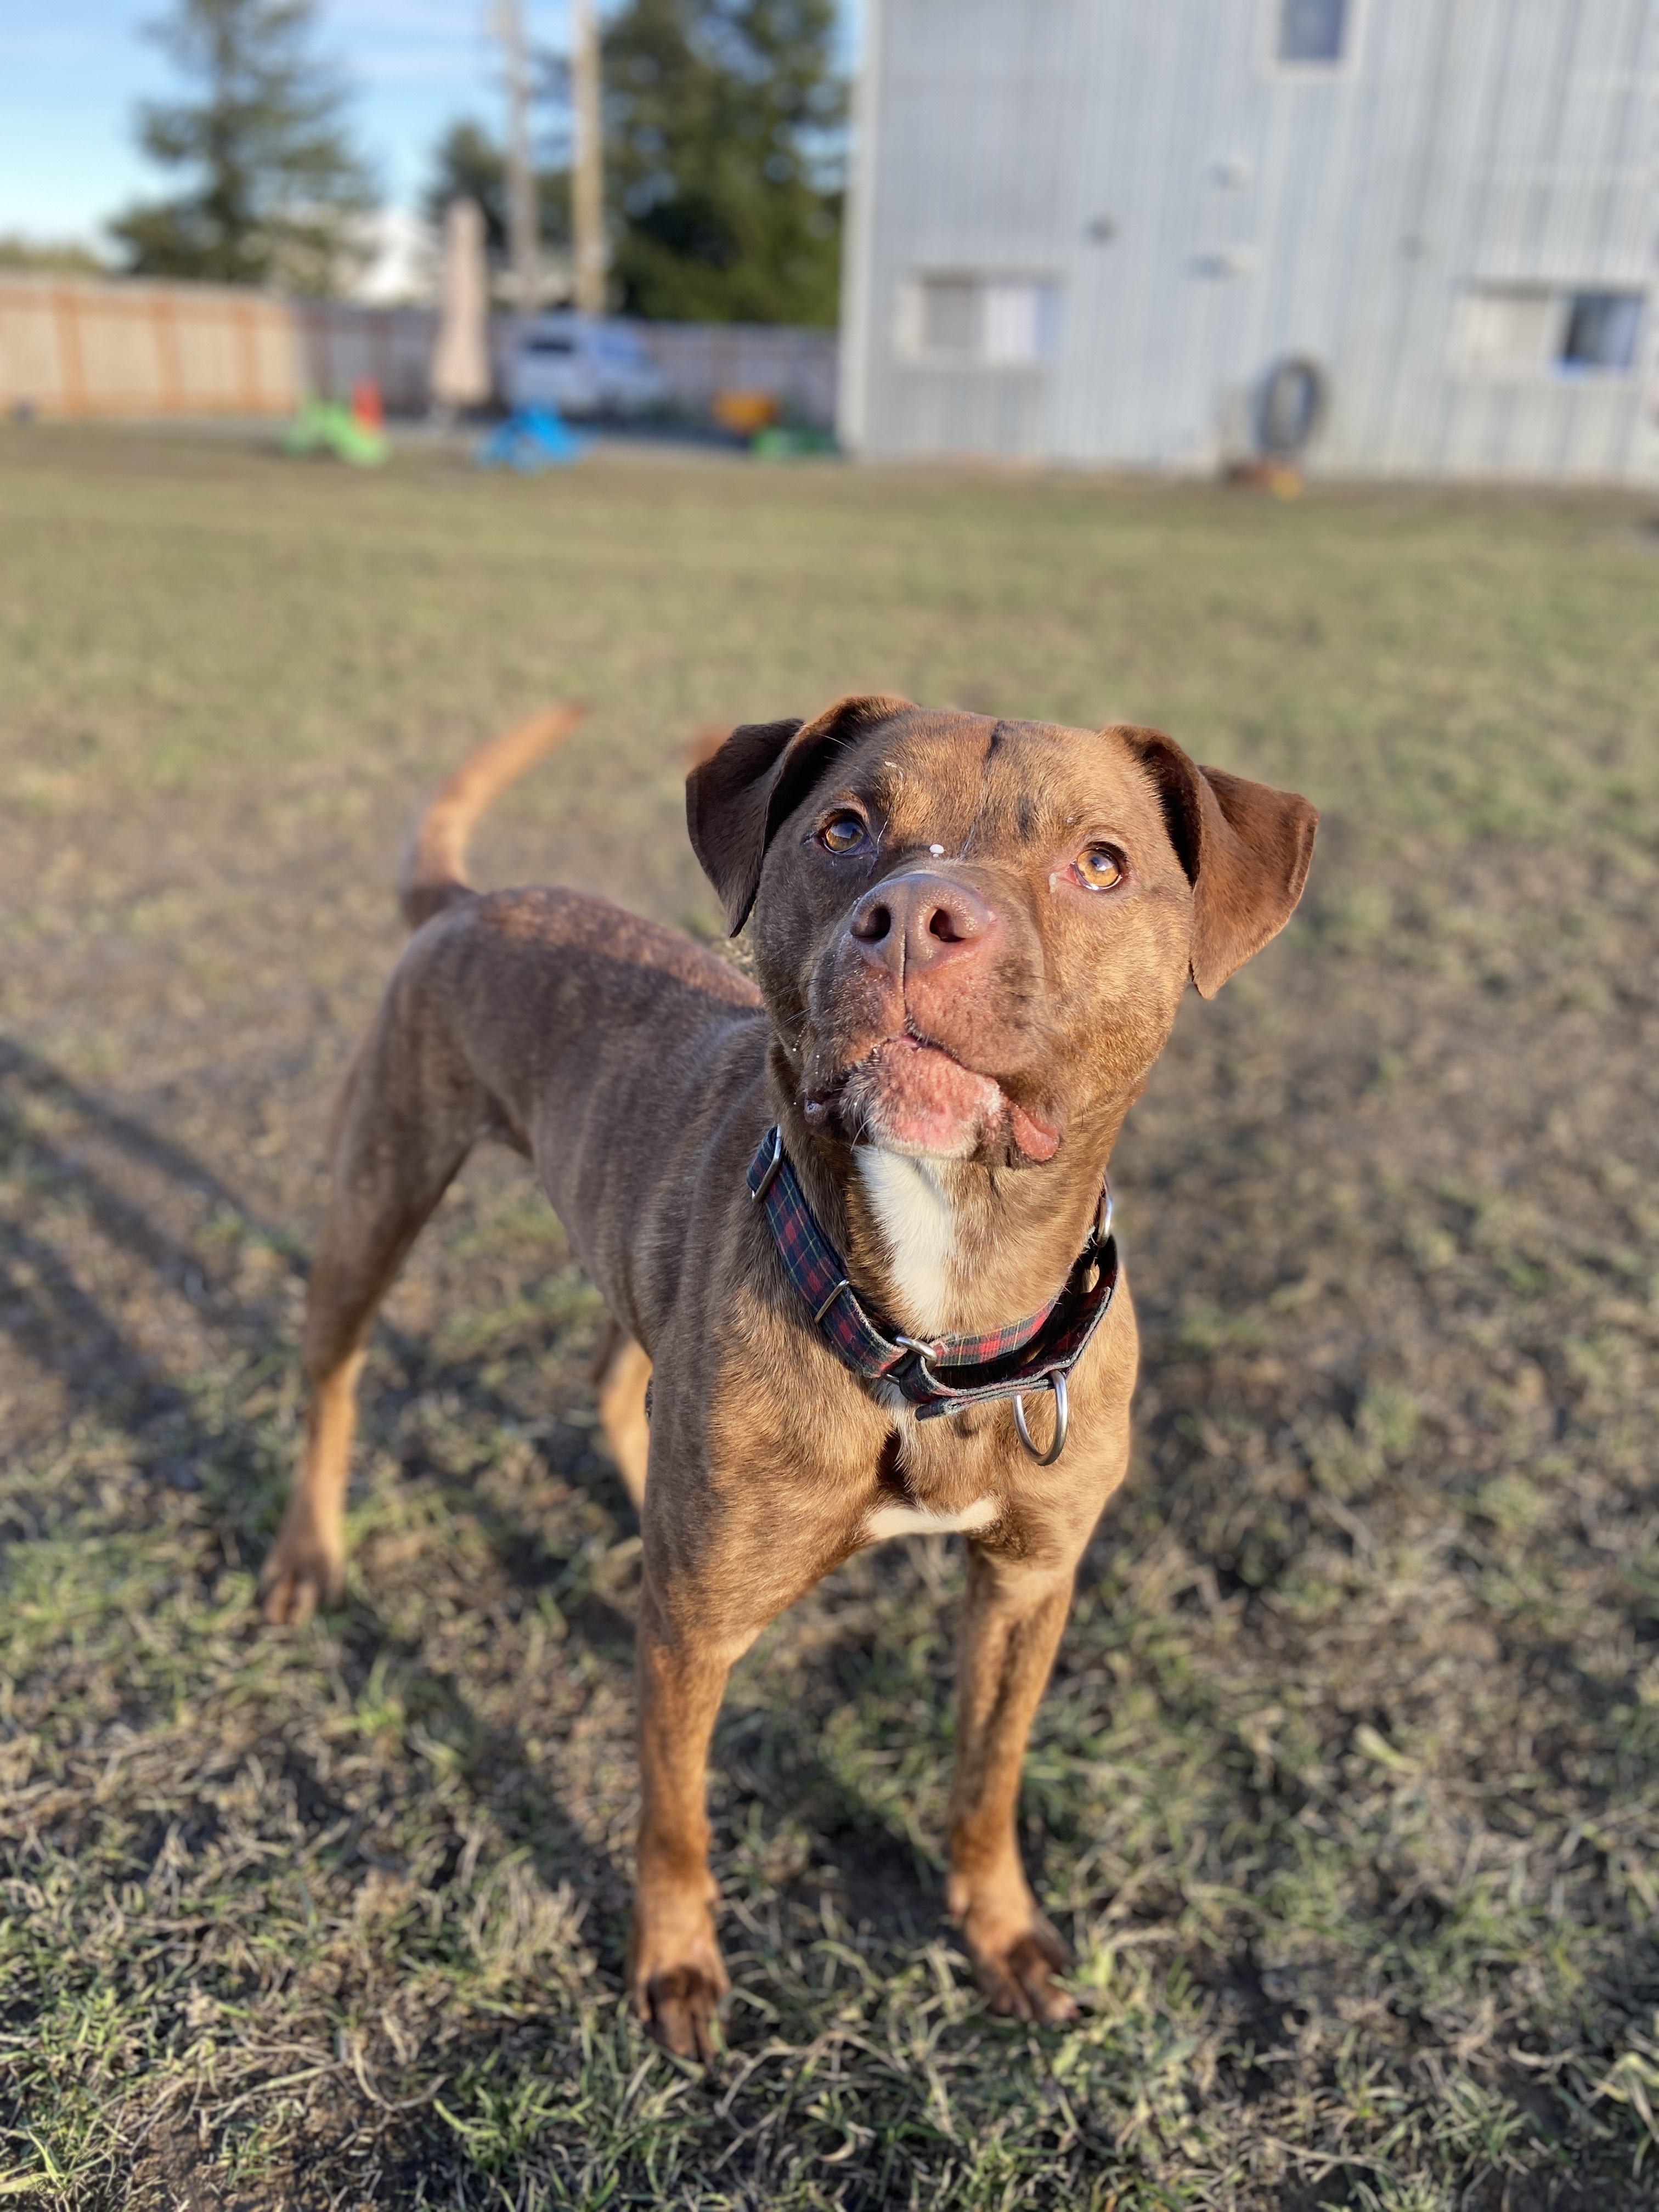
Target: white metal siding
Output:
{"points": [[1258, 213]]}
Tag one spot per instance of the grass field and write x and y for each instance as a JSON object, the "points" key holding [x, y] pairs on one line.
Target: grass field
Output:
{"points": [[1345, 1788]]}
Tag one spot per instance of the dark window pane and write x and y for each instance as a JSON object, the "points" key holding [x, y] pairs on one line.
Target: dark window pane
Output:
{"points": [[1311, 30], [1601, 330]]}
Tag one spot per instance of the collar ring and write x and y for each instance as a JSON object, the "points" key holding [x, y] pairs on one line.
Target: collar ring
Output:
{"points": [[1062, 1411]]}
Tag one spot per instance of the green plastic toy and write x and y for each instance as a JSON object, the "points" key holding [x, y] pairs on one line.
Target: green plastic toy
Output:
{"points": [[328, 426], [784, 441]]}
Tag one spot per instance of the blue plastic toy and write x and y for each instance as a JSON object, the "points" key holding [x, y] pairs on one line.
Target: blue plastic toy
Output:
{"points": [[532, 438]]}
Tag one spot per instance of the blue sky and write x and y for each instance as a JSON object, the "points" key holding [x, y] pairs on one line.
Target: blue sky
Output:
{"points": [[71, 71]]}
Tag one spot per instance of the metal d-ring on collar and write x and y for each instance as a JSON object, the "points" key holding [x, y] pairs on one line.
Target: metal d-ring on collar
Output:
{"points": [[1062, 1415], [939, 1377], [1057, 1382]]}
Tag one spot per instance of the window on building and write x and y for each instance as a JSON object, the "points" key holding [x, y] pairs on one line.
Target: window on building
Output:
{"points": [[950, 316], [1519, 330], [1506, 329], [1600, 333], [993, 322], [1017, 322], [1312, 31]]}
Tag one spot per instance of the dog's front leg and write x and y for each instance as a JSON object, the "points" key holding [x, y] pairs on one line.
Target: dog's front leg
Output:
{"points": [[674, 1964], [1013, 1619]]}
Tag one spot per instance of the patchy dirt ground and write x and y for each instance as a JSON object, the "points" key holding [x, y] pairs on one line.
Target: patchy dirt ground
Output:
{"points": [[1345, 1786]]}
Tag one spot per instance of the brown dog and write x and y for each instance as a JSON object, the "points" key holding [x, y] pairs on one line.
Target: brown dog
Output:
{"points": [[852, 1222]]}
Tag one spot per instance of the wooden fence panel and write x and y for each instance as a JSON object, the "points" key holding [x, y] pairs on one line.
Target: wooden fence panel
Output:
{"points": [[69, 348], [137, 349]]}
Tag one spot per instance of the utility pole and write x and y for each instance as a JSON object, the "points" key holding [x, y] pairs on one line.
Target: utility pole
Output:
{"points": [[521, 223], [587, 196]]}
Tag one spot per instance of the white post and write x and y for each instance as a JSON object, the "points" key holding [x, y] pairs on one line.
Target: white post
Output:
{"points": [[587, 184], [522, 226], [858, 331]]}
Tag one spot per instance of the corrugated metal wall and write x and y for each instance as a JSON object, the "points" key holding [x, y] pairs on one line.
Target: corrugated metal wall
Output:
{"points": [[1205, 211]]}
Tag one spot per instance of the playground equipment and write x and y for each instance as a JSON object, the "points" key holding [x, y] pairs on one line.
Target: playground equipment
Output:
{"points": [[745, 413], [355, 435], [790, 441], [532, 438]]}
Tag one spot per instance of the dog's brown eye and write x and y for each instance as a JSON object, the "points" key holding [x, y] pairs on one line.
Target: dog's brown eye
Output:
{"points": [[1098, 867], [843, 833]]}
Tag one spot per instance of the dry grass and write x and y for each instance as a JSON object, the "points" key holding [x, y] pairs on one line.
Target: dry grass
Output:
{"points": [[1345, 1786]]}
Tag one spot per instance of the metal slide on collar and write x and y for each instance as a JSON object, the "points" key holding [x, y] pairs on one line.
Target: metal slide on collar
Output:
{"points": [[757, 1196]]}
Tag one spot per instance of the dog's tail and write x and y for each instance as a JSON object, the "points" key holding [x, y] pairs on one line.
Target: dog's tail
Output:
{"points": [[433, 874]]}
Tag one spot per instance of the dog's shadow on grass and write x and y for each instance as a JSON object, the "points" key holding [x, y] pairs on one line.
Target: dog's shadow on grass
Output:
{"points": [[179, 1441], [492, 1760], [72, 1332], [50, 1309]]}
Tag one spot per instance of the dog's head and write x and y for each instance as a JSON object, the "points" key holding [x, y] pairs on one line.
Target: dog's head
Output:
{"points": [[973, 934]]}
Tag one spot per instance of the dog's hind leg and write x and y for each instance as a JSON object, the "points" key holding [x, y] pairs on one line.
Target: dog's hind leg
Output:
{"points": [[622, 1372], [411, 1113]]}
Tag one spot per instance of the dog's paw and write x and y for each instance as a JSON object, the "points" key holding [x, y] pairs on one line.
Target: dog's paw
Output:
{"points": [[300, 1575], [1015, 1966], [680, 2007], [676, 1973]]}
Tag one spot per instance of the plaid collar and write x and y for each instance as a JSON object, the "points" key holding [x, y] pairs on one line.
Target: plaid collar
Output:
{"points": [[1027, 1355]]}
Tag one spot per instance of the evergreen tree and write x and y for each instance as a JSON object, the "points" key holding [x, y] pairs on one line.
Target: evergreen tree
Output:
{"points": [[723, 123], [273, 191], [467, 163]]}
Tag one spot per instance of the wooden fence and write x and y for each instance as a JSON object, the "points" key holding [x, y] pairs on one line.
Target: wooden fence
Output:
{"points": [[69, 348], [76, 348]]}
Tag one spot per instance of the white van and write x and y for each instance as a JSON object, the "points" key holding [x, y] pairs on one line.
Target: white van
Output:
{"points": [[582, 366]]}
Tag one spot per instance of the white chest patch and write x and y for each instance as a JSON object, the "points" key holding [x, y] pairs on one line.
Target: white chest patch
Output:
{"points": [[911, 1520], [918, 1225]]}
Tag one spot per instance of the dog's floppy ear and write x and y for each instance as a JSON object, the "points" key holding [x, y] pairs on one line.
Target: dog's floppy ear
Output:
{"points": [[1245, 848], [735, 799]]}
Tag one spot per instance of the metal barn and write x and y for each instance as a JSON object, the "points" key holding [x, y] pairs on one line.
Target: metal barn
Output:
{"points": [[1145, 232]]}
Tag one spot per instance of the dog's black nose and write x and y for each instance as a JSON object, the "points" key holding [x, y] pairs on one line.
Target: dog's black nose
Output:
{"points": [[919, 920]]}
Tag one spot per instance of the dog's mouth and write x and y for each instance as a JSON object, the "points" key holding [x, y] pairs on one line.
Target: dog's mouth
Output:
{"points": [[911, 1096]]}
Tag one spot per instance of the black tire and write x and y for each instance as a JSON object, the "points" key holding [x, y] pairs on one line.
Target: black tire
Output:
{"points": [[1291, 406]]}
